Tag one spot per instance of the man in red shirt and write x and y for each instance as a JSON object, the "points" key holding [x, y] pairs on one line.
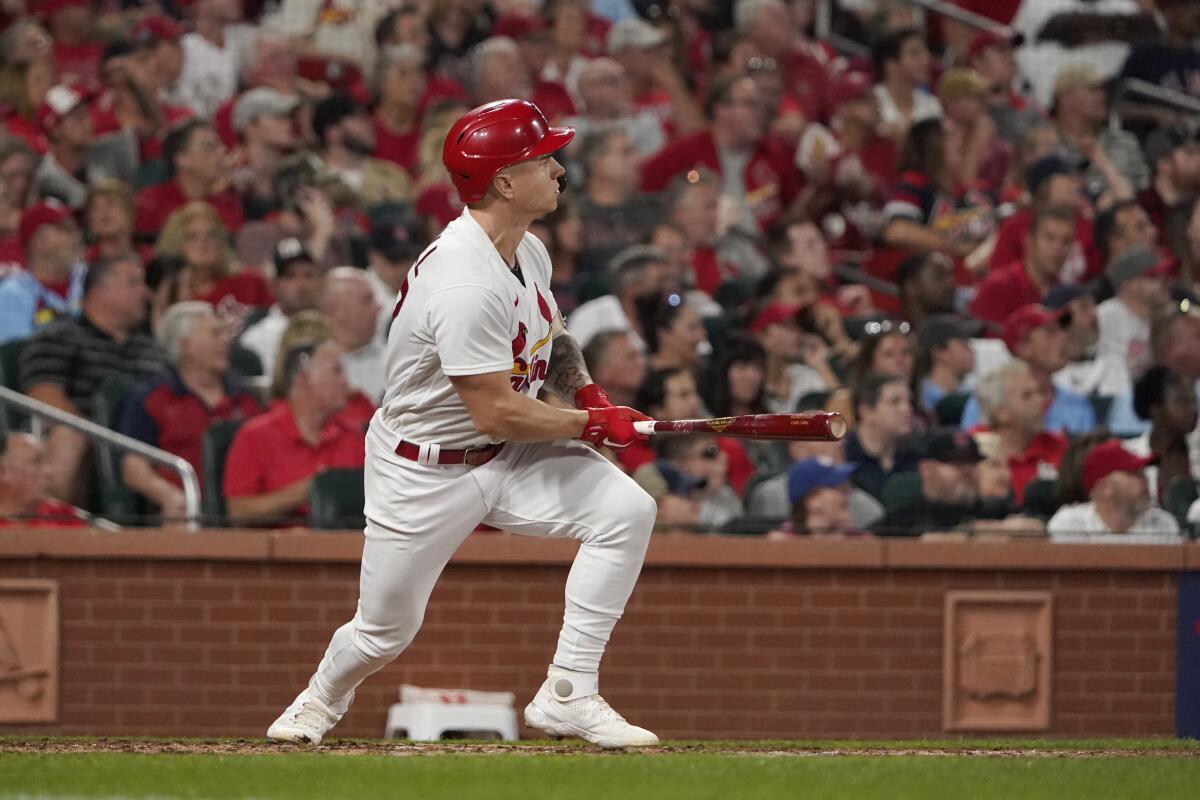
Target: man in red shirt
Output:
{"points": [[72, 27], [1012, 402], [736, 143], [274, 457], [405, 91], [195, 160], [25, 487], [1021, 283], [1050, 181], [173, 412], [771, 27]]}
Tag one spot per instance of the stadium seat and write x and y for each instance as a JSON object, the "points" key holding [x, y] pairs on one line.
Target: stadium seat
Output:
{"points": [[813, 401], [1100, 407], [1041, 498], [215, 447], [901, 491], [10, 376], [949, 410], [1178, 497], [591, 285], [117, 502], [254, 316], [244, 361], [336, 500]]}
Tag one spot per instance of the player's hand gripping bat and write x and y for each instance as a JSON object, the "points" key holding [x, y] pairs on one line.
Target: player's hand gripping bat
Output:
{"points": [[817, 426]]}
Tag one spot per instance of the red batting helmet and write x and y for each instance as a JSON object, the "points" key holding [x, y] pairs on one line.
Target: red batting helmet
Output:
{"points": [[487, 139]]}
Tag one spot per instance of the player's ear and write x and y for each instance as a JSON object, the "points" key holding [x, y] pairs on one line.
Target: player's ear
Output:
{"points": [[503, 185]]}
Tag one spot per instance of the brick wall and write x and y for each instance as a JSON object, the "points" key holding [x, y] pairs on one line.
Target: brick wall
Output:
{"points": [[214, 634]]}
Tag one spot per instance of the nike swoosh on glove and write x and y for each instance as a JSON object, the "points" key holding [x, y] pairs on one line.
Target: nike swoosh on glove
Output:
{"points": [[613, 427]]}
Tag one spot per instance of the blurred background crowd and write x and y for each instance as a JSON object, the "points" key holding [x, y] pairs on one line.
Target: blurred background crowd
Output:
{"points": [[974, 232]]}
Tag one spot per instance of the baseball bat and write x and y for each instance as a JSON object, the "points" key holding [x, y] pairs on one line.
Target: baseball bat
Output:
{"points": [[817, 426]]}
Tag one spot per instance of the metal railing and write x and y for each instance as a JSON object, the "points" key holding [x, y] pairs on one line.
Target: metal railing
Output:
{"points": [[1135, 87], [42, 411], [823, 24]]}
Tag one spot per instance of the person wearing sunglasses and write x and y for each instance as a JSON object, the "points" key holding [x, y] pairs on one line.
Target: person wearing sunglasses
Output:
{"points": [[692, 473]]}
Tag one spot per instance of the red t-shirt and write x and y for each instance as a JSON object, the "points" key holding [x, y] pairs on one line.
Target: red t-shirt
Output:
{"points": [[1002, 292], [1082, 264], [268, 454], [807, 80], [155, 203], [771, 180], [47, 514], [399, 147], [1044, 449], [78, 64], [30, 131], [247, 287]]}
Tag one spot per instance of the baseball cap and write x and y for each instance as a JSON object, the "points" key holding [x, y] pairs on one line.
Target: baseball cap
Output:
{"points": [[60, 101], [985, 39], [953, 447], [1166, 140], [1062, 296], [156, 28], [397, 232], [959, 82], [1028, 318], [518, 26], [47, 212], [1133, 262], [287, 252], [940, 329], [773, 314], [1078, 75], [849, 86], [815, 473], [1045, 168], [635, 33], [259, 101], [1108, 457]]}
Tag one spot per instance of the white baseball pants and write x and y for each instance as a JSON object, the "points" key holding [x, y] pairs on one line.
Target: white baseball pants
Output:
{"points": [[418, 515]]}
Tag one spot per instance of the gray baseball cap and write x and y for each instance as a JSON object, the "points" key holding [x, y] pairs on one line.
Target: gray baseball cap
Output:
{"points": [[261, 100], [1133, 262]]}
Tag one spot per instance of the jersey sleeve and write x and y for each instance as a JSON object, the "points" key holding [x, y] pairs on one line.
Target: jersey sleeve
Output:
{"points": [[244, 468], [470, 329]]}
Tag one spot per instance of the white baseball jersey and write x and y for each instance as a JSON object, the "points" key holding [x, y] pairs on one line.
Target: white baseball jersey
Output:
{"points": [[462, 311]]}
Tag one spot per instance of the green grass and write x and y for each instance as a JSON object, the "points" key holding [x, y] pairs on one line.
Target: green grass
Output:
{"points": [[621, 776]]}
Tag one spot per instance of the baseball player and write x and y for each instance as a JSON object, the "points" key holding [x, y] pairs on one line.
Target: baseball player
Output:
{"points": [[461, 439]]}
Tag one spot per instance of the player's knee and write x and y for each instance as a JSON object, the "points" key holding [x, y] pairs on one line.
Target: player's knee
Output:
{"points": [[640, 510]]}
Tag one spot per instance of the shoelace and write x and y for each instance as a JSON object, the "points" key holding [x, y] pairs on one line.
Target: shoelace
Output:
{"points": [[310, 715], [596, 705]]}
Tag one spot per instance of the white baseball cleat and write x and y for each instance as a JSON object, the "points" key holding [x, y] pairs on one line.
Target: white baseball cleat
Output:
{"points": [[306, 721], [568, 704]]}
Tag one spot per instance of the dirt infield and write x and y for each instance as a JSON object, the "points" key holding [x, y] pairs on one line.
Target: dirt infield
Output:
{"points": [[411, 749]]}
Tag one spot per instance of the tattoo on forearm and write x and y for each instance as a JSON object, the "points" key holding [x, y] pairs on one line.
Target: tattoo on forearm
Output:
{"points": [[567, 372]]}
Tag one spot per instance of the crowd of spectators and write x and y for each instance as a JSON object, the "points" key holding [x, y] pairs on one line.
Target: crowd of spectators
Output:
{"points": [[965, 242]]}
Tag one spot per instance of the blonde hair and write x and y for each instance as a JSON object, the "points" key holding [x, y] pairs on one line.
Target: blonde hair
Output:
{"points": [[303, 327], [115, 189], [170, 239]]}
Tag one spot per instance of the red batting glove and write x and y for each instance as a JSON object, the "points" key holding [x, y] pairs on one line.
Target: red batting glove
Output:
{"points": [[613, 427], [592, 396]]}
